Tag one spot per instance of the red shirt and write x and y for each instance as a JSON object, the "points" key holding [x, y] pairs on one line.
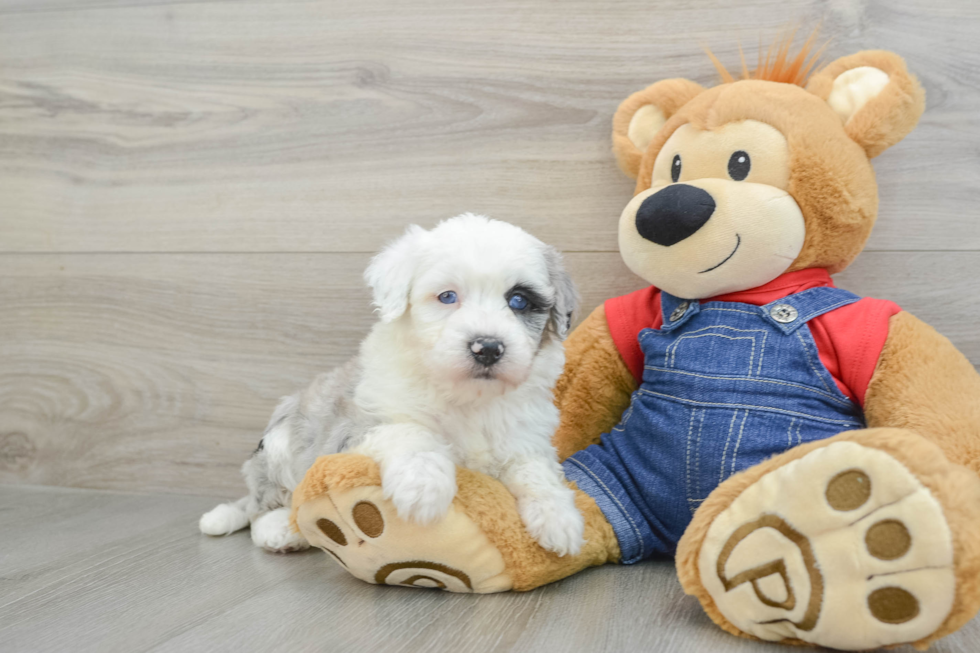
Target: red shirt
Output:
{"points": [[849, 338]]}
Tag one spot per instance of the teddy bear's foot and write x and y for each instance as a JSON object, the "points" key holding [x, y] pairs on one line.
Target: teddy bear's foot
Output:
{"points": [[867, 539], [361, 530], [480, 546]]}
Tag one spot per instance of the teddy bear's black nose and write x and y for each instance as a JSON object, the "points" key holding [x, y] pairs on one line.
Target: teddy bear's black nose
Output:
{"points": [[670, 215]]}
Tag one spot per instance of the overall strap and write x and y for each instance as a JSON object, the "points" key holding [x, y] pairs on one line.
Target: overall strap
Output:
{"points": [[792, 312], [677, 311]]}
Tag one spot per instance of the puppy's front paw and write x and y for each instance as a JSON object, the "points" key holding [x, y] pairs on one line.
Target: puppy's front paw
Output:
{"points": [[554, 521], [420, 486]]}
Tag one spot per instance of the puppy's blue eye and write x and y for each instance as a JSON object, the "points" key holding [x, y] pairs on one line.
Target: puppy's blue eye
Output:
{"points": [[448, 297], [517, 302]]}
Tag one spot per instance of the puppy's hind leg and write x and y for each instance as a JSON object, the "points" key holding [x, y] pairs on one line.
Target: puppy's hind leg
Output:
{"points": [[269, 476], [273, 532], [225, 518]]}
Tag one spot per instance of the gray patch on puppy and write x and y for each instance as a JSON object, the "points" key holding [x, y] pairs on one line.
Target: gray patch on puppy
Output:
{"points": [[566, 294]]}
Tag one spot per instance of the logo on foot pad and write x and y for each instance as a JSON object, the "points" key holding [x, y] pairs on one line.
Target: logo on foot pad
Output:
{"points": [[844, 547], [886, 540]]}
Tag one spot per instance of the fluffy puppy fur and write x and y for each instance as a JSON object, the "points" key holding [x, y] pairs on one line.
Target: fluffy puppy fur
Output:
{"points": [[460, 370]]}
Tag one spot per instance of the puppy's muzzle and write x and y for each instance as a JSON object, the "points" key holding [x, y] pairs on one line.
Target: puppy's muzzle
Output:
{"points": [[670, 215], [486, 351]]}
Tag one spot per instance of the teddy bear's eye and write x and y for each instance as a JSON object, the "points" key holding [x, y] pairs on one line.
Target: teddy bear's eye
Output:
{"points": [[739, 165], [675, 168]]}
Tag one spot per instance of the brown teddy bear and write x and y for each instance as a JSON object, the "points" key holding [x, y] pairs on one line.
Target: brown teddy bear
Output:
{"points": [[810, 457]]}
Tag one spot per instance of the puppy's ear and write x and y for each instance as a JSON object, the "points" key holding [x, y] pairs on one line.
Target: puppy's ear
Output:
{"points": [[875, 95], [641, 116], [566, 295], [390, 273]]}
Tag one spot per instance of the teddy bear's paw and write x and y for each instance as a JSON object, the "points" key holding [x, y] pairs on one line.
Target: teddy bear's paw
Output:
{"points": [[843, 548], [362, 531]]}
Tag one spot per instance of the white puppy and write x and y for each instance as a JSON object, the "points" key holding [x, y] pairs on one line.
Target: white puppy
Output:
{"points": [[459, 371]]}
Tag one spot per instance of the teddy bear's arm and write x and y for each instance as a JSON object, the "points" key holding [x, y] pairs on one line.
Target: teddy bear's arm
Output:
{"points": [[595, 387], [923, 383]]}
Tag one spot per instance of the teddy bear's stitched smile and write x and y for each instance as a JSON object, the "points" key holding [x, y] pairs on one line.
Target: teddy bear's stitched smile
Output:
{"points": [[737, 244]]}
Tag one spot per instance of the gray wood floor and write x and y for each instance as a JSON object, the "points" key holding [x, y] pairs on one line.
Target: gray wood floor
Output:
{"points": [[84, 570]]}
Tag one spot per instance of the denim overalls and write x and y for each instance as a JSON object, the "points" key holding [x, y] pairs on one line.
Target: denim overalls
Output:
{"points": [[725, 386]]}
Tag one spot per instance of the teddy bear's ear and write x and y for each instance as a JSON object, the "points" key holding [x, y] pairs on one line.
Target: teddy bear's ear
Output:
{"points": [[875, 95], [642, 114]]}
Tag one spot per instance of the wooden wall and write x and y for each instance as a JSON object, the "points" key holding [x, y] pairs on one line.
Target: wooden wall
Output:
{"points": [[190, 190]]}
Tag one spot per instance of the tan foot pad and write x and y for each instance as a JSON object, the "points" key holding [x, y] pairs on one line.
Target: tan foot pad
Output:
{"points": [[362, 531], [843, 548]]}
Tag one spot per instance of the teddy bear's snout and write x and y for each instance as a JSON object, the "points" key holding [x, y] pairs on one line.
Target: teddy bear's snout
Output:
{"points": [[670, 215]]}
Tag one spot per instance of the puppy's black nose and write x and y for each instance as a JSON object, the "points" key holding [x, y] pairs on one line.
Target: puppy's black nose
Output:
{"points": [[670, 215], [486, 351]]}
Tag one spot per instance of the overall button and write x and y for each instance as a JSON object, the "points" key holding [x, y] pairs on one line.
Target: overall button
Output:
{"points": [[679, 311], [783, 313]]}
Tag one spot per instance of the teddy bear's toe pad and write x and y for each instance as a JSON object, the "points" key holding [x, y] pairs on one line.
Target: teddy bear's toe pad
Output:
{"points": [[362, 531], [843, 547]]}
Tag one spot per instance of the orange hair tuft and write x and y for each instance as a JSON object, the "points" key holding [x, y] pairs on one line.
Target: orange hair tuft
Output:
{"points": [[778, 65]]}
